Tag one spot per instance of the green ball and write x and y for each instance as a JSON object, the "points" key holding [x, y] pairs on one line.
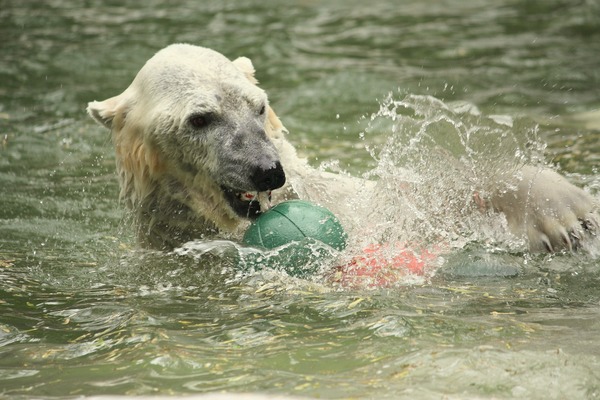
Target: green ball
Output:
{"points": [[298, 237], [295, 221]]}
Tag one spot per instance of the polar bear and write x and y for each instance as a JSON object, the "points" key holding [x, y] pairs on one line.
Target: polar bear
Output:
{"points": [[200, 152]]}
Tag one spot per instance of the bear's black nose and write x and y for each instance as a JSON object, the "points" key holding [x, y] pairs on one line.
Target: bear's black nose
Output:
{"points": [[268, 179]]}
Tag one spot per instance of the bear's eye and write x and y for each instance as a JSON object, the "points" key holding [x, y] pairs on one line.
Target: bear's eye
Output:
{"points": [[199, 120], [262, 110]]}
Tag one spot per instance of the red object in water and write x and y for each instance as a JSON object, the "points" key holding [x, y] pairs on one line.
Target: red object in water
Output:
{"points": [[383, 266]]}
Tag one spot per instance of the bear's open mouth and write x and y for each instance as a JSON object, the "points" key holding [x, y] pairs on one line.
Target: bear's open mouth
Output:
{"points": [[247, 204]]}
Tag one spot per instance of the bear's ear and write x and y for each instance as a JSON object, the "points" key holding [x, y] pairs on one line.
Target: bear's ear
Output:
{"points": [[245, 65], [104, 112]]}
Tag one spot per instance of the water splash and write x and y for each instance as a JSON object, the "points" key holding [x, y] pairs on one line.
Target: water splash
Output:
{"points": [[434, 158]]}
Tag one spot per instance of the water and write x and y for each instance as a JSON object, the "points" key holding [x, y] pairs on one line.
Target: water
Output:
{"points": [[83, 312]]}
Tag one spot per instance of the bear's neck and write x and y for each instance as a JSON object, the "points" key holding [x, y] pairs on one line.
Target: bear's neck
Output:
{"points": [[164, 223]]}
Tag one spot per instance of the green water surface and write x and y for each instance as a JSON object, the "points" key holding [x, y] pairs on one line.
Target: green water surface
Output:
{"points": [[83, 312]]}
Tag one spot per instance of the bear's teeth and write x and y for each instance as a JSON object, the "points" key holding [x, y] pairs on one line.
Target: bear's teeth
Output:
{"points": [[264, 199]]}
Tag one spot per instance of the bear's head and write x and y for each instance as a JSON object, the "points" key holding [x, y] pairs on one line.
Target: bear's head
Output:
{"points": [[194, 125]]}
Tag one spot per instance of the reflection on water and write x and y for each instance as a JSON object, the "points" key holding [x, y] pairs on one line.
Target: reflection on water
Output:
{"points": [[83, 312]]}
